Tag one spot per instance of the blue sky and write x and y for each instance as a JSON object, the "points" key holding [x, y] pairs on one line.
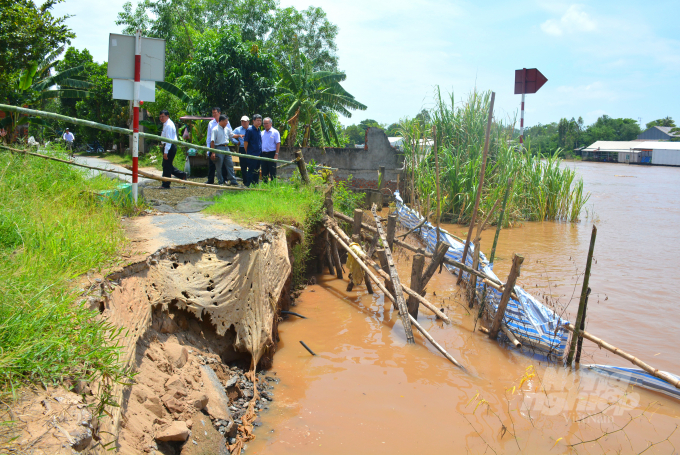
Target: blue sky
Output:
{"points": [[616, 58]]}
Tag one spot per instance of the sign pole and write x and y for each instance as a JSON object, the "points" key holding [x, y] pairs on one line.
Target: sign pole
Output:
{"points": [[521, 118], [135, 113]]}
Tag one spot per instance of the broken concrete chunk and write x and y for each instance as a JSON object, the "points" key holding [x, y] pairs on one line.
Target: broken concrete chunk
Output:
{"points": [[176, 431], [81, 438], [218, 403], [177, 354]]}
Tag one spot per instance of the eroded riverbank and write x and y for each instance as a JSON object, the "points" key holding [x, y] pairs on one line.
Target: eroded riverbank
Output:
{"points": [[368, 392]]}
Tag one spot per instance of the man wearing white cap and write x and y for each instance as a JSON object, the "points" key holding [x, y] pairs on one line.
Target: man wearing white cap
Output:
{"points": [[238, 135]]}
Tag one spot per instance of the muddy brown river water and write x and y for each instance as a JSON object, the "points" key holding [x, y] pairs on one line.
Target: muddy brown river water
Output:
{"points": [[367, 392]]}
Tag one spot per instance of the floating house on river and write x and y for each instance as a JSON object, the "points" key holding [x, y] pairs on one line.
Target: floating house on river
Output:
{"points": [[660, 153]]}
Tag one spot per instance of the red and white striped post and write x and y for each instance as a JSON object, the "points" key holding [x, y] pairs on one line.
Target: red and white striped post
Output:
{"points": [[135, 113], [521, 117]]}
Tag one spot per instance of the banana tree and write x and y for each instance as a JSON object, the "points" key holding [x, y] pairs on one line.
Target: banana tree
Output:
{"points": [[313, 97]]}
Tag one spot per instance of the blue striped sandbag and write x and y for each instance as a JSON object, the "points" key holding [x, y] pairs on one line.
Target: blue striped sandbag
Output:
{"points": [[638, 377], [532, 323]]}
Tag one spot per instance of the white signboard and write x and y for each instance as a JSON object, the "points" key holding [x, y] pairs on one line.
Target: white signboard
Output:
{"points": [[122, 58], [123, 89]]}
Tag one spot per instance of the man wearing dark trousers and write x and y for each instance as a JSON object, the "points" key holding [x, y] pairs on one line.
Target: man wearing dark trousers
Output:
{"points": [[271, 143], [238, 136], [169, 150], [211, 163], [252, 143]]}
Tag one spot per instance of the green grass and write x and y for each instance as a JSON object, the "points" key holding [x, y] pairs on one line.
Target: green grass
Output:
{"points": [[282, 203], [53, 228]]}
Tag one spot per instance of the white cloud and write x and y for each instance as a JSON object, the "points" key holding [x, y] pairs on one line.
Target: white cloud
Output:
{"points": [[572, 21]]}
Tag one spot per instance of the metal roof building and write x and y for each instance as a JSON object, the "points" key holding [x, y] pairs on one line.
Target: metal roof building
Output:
{"points": [[662, 153], [658, 133], [607, 151]]}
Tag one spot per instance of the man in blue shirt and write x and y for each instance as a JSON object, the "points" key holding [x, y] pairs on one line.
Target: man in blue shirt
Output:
{"points": [[252, 144]]}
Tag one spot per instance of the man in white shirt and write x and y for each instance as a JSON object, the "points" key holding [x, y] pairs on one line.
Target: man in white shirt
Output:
{"points": [[220, 138], [271, 143], [169, 150], [216, 112], [69, 138]]}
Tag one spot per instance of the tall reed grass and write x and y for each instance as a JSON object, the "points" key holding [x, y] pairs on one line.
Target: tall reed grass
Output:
{"points": [[52, 229], [543, 188]]}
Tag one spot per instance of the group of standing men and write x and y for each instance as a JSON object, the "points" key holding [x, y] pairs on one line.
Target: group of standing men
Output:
{"points": [[249, 139]]}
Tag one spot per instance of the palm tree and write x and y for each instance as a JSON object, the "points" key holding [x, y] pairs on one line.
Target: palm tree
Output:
{"points": [[313, 97]]}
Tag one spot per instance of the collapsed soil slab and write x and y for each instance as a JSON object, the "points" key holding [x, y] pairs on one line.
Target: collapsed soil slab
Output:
{"points": [[209, 295]]}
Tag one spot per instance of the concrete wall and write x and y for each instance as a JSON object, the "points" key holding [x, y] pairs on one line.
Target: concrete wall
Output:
{"points": [[361, 163]]}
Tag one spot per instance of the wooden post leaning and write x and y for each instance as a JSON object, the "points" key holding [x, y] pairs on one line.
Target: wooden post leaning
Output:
{"points": [[391, 229], [302, 167], [412, 320], [473, 278], [416, 283], [358, 217], [497, 283], [482, 172], [334, 246], [398, 293], [584, 296], [383, 272], [437, 260], [505, 298], [579, 345]]}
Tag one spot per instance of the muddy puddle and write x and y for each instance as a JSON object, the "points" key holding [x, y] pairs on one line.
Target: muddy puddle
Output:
{"points": [[368, 392]]}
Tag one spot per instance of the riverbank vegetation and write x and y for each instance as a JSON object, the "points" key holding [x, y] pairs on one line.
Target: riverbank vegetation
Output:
{"points": [[543, 188], [53, 229]]}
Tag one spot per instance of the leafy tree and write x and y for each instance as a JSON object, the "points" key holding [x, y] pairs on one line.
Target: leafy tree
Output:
{"points": [[393, 130], [312, 96], [230, 73], [28, 33], [281, 32], [666, 121], [355, 134]]}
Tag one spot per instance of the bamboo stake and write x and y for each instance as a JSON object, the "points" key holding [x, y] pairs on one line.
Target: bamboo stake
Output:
{"points": [[63, 161], [584, 296], [382, 271], [473, 278], [505, 298], [189, 182], [416, 282], [403, 244], [436, 165], [115, 129], [632, 359], [511, 336], [500, 221], [479, 187], [328, 254], [412, 320], [391, 229], [334, 246], [579, 345], [437, 259], [398, 293]]}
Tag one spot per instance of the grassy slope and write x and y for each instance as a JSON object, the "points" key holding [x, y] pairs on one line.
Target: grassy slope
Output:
{"points": [[51, 230]]}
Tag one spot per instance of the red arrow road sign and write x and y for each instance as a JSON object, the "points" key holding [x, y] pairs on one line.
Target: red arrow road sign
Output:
{"points": [[528, 81]]}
